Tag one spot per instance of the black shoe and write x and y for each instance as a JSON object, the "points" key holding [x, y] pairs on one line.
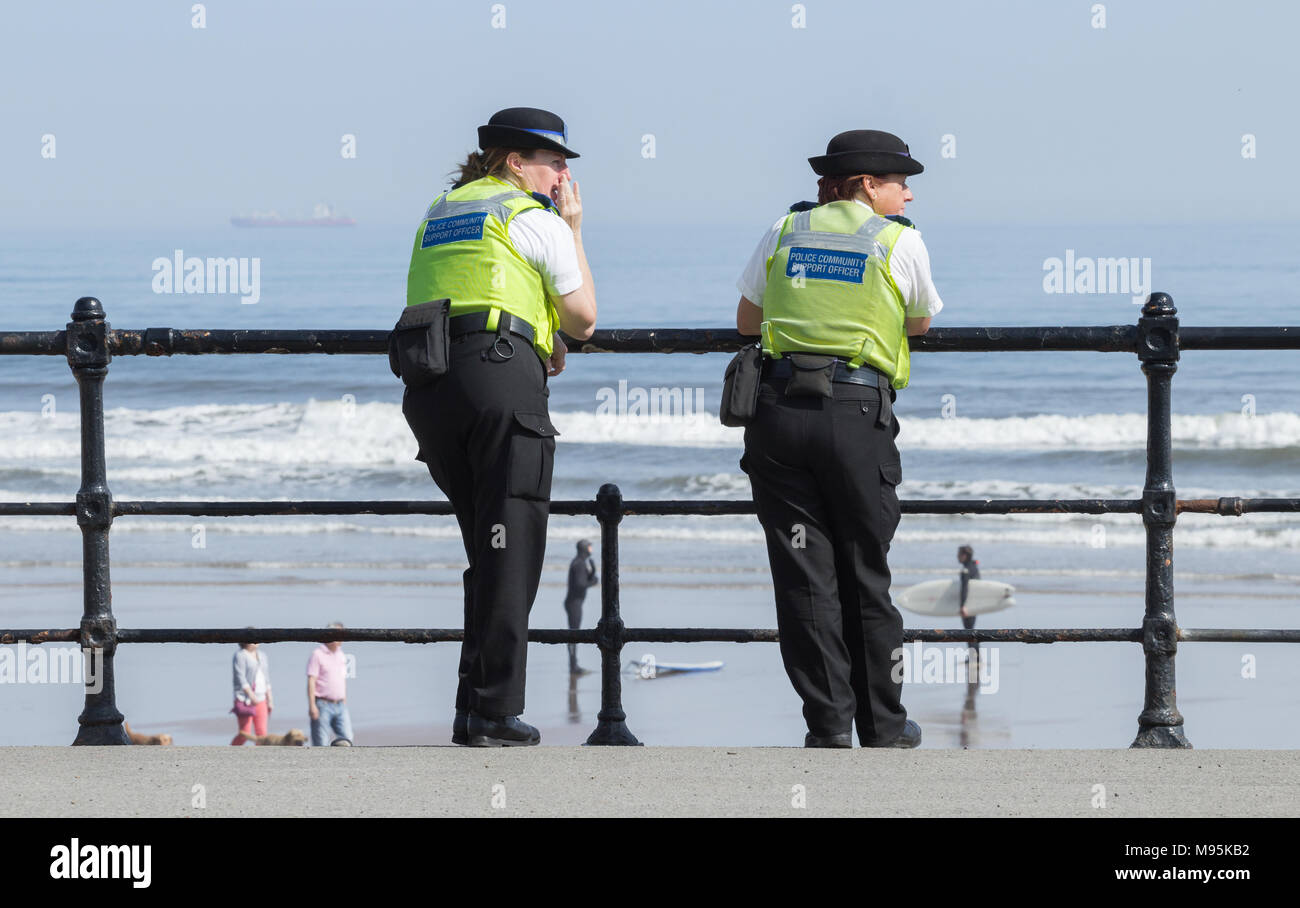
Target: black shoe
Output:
{"points": [[507, 731], [458, 733], [911, 737], [579, 670], [844, 740]]}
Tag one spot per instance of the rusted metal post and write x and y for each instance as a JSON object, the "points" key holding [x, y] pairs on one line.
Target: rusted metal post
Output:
{"points": [[1159, 724], [611, 725], [88, 355]]}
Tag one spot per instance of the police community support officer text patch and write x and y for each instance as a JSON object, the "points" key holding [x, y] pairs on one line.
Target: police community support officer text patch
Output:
{"points": [[453, 229], [826, 264]]}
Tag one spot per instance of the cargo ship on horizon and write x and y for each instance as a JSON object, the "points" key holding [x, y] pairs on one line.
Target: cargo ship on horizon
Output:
{"points": [[322, 216]]}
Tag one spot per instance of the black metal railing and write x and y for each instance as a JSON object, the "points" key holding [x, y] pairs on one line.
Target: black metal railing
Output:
{"points": [[89, 343]]}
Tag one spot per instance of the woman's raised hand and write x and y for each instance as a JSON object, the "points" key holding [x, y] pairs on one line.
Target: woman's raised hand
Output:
{"points": [[570, 203]]}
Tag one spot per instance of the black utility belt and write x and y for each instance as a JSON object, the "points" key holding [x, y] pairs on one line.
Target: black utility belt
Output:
{"points": [[806, 375], [863, 375], [813, 374], [419, 348], [475, 322]]}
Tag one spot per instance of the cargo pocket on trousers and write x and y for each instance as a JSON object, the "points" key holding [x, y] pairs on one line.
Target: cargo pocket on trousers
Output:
{"points": [[532, 456], [891, 474]]}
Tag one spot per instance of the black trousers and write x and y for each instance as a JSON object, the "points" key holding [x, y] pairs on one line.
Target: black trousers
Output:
{"points": [[823, 474], [485, 434]]}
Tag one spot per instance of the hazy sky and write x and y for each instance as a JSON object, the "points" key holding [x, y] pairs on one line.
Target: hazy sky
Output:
{"points": [[156, 122]]}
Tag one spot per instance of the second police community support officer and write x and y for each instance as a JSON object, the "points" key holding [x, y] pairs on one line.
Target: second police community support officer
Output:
{"points": [[515, 272], [848, 278]]}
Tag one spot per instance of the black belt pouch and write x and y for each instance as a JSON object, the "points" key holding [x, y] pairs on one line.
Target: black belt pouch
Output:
{"points": [[419, 349], [740, 386], [810, 375]]}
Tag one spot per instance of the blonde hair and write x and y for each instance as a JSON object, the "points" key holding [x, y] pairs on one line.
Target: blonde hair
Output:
{"points": [[490, 162]]}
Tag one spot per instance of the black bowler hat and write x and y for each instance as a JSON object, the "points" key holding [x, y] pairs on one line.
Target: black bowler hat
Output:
{"points": [[525, 127], [865, 151]]}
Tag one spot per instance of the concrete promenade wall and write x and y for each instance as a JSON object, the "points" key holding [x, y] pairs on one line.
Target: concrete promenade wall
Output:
{"points": [[644, 782]]}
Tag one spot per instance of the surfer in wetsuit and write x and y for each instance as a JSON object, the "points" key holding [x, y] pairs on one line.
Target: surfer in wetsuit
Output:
{"points": [[970, 570], [582, 574]]}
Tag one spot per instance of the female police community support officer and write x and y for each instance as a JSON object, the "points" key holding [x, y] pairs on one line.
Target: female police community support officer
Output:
{"points": [[847, 278], [515, 271]]}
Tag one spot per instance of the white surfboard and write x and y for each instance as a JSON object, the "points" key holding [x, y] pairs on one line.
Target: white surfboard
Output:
{"points": [[648, 668], [943, 597]]}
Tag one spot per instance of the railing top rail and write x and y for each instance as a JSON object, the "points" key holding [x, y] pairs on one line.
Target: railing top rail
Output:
{"points": [[1226, 506], [421, 635], [1095, 338]]}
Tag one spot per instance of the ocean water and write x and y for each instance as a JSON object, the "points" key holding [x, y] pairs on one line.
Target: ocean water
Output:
{"points": [[1004, 425]]}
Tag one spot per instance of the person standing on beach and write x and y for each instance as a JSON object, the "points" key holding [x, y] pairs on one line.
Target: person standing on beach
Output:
{"points": [[970, 570], [252, 691], [327, 672], [504, 245], [834, 290], [582, 576]]}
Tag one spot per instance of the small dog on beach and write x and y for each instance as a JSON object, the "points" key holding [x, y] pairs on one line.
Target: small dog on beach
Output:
{"points": [[292, 738], [137, 738]]}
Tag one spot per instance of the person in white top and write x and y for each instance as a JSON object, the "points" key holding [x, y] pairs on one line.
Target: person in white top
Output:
{"points": [[909, 263], [483, 428], [820, 452]]}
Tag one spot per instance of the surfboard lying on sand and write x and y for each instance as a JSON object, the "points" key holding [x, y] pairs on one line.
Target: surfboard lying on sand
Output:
{"points": [[649, 667], [943, 597]]}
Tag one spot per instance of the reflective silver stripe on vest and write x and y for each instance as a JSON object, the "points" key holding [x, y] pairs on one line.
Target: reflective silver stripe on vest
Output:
{"points": [[873, 225], [493, 205], [864, 240]]}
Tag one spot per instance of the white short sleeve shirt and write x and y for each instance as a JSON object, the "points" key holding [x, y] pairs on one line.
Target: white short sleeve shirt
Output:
{"points": [[909, 263], [546, 242]]}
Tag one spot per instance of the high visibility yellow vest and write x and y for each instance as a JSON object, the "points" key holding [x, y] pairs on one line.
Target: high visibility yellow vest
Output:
{"points": [[829, 290], [463, 253]]}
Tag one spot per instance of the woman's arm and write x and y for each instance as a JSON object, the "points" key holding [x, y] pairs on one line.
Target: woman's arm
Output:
{"points": [[913, 261], [577, 310], [243, 683], [749, 318]]}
